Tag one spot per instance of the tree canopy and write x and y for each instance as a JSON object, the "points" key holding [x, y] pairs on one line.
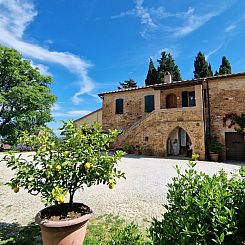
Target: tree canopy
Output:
{"points": [[151, 77], [128, 84], [202, 68], [167, 63], [225, 67], [25, 96]]}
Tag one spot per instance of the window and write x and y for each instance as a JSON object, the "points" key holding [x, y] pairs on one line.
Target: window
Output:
{"points": [[119, 106], [171, 101], [149, 103], [188, 99]]}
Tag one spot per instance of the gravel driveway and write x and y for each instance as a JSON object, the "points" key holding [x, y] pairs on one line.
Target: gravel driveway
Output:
{"points": [[138, 198]]}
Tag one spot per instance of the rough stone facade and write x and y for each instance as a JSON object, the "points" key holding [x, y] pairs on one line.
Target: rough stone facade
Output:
{"points": [[226, 95], [150, 131]]}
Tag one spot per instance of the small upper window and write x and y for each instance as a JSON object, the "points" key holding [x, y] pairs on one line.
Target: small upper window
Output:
{"points": [[149, 103], [188, 99], [119, 106]]}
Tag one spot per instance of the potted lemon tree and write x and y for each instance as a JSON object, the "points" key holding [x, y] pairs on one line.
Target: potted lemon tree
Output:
{"points": [[215, 149], [58, 169]]}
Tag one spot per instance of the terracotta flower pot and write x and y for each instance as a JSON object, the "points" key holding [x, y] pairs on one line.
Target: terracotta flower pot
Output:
{"points": [[214, 157], [63, 232]]}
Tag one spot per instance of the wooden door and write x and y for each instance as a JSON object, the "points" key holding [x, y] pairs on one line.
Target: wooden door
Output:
{"points": [[235, 146]]}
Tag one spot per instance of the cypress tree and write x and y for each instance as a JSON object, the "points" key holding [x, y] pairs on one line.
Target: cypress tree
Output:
{"points": [[201, 66], [225, 67], [167, 63], [151, 77], [210, 72], [128, 84]]}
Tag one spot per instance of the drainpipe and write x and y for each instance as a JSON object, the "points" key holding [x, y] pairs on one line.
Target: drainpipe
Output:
{"points": [[209, 113], [204, 119]]}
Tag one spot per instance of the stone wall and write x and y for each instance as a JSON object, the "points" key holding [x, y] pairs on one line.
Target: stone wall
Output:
{"points": [[152, 133], [178, 92], [134, 108], [226, 95]]}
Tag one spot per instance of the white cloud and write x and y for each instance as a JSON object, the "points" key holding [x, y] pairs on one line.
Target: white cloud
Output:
{"points": [[42, 68], [15, 16], [213, 51], [235, 24], [59, 111], [142, 13], [79, 113], [193, 21], [152, 19]]}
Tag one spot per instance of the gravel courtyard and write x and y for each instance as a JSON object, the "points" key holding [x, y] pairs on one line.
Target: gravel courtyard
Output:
{"points": [[138, 198]]}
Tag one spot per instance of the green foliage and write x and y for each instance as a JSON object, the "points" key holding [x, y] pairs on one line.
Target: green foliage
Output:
{"points": [[128, 148], [28, 235], [80, 158], [151, 77], [128, 235], [25, 98], [235, 120], [214, 146], [102, 230], [128, 84], [202, 209], [225, 67], [202, 69], [195, 156], [210, 72], [167, 63]]}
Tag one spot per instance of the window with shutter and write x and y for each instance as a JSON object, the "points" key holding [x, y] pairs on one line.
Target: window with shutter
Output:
{"points": [[192, 100], [188, 99], [185, 99], [119, 106], [149, 103]]}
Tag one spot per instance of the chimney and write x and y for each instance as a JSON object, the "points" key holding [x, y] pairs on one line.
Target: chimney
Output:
{"points": [[167, 77]]}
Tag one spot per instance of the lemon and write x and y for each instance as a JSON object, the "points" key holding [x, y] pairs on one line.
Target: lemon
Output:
{"points": [[16, 189], [87, 166], [58, 168], [111, 185]]}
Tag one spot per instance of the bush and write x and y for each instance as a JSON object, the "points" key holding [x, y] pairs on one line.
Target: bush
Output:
{"points": [[128, 148], [203, 209], [129, 235], [214, 146]]}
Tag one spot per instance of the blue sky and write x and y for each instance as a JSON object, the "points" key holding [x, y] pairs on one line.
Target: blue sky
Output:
{"points": [[89, 46]]}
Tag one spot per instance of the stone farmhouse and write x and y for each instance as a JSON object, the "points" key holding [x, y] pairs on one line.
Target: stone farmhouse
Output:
{"points": [[164, 119]]}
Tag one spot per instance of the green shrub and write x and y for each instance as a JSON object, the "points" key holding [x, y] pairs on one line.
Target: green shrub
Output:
{"points": [[128, 148], [129, 235], [203, 209]]}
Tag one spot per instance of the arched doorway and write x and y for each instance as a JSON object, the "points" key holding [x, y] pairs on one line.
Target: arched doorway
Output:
{"points": [[171, 101], [179, 143]]}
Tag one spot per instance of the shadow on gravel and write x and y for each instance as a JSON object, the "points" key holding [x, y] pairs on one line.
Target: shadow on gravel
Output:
{"points": [[13, 233]]}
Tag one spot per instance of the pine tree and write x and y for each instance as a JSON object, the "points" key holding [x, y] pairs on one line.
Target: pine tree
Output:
{"points": [[128, 84], [151, 77], [167, 63], [225, 67], [202, 69]]}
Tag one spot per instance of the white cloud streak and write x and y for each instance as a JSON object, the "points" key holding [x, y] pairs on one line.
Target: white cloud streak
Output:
{"points": [[235, 24], [15, 16], [142, 13], [152, 19], [193, 21], [213, 51]]}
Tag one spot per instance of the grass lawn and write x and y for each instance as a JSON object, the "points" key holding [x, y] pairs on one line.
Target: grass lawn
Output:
{"points": [[101, 230]]}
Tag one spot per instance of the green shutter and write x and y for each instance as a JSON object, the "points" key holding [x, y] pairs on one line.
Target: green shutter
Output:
{"points": [[185, 99], [119, 106], [149, 103]]}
